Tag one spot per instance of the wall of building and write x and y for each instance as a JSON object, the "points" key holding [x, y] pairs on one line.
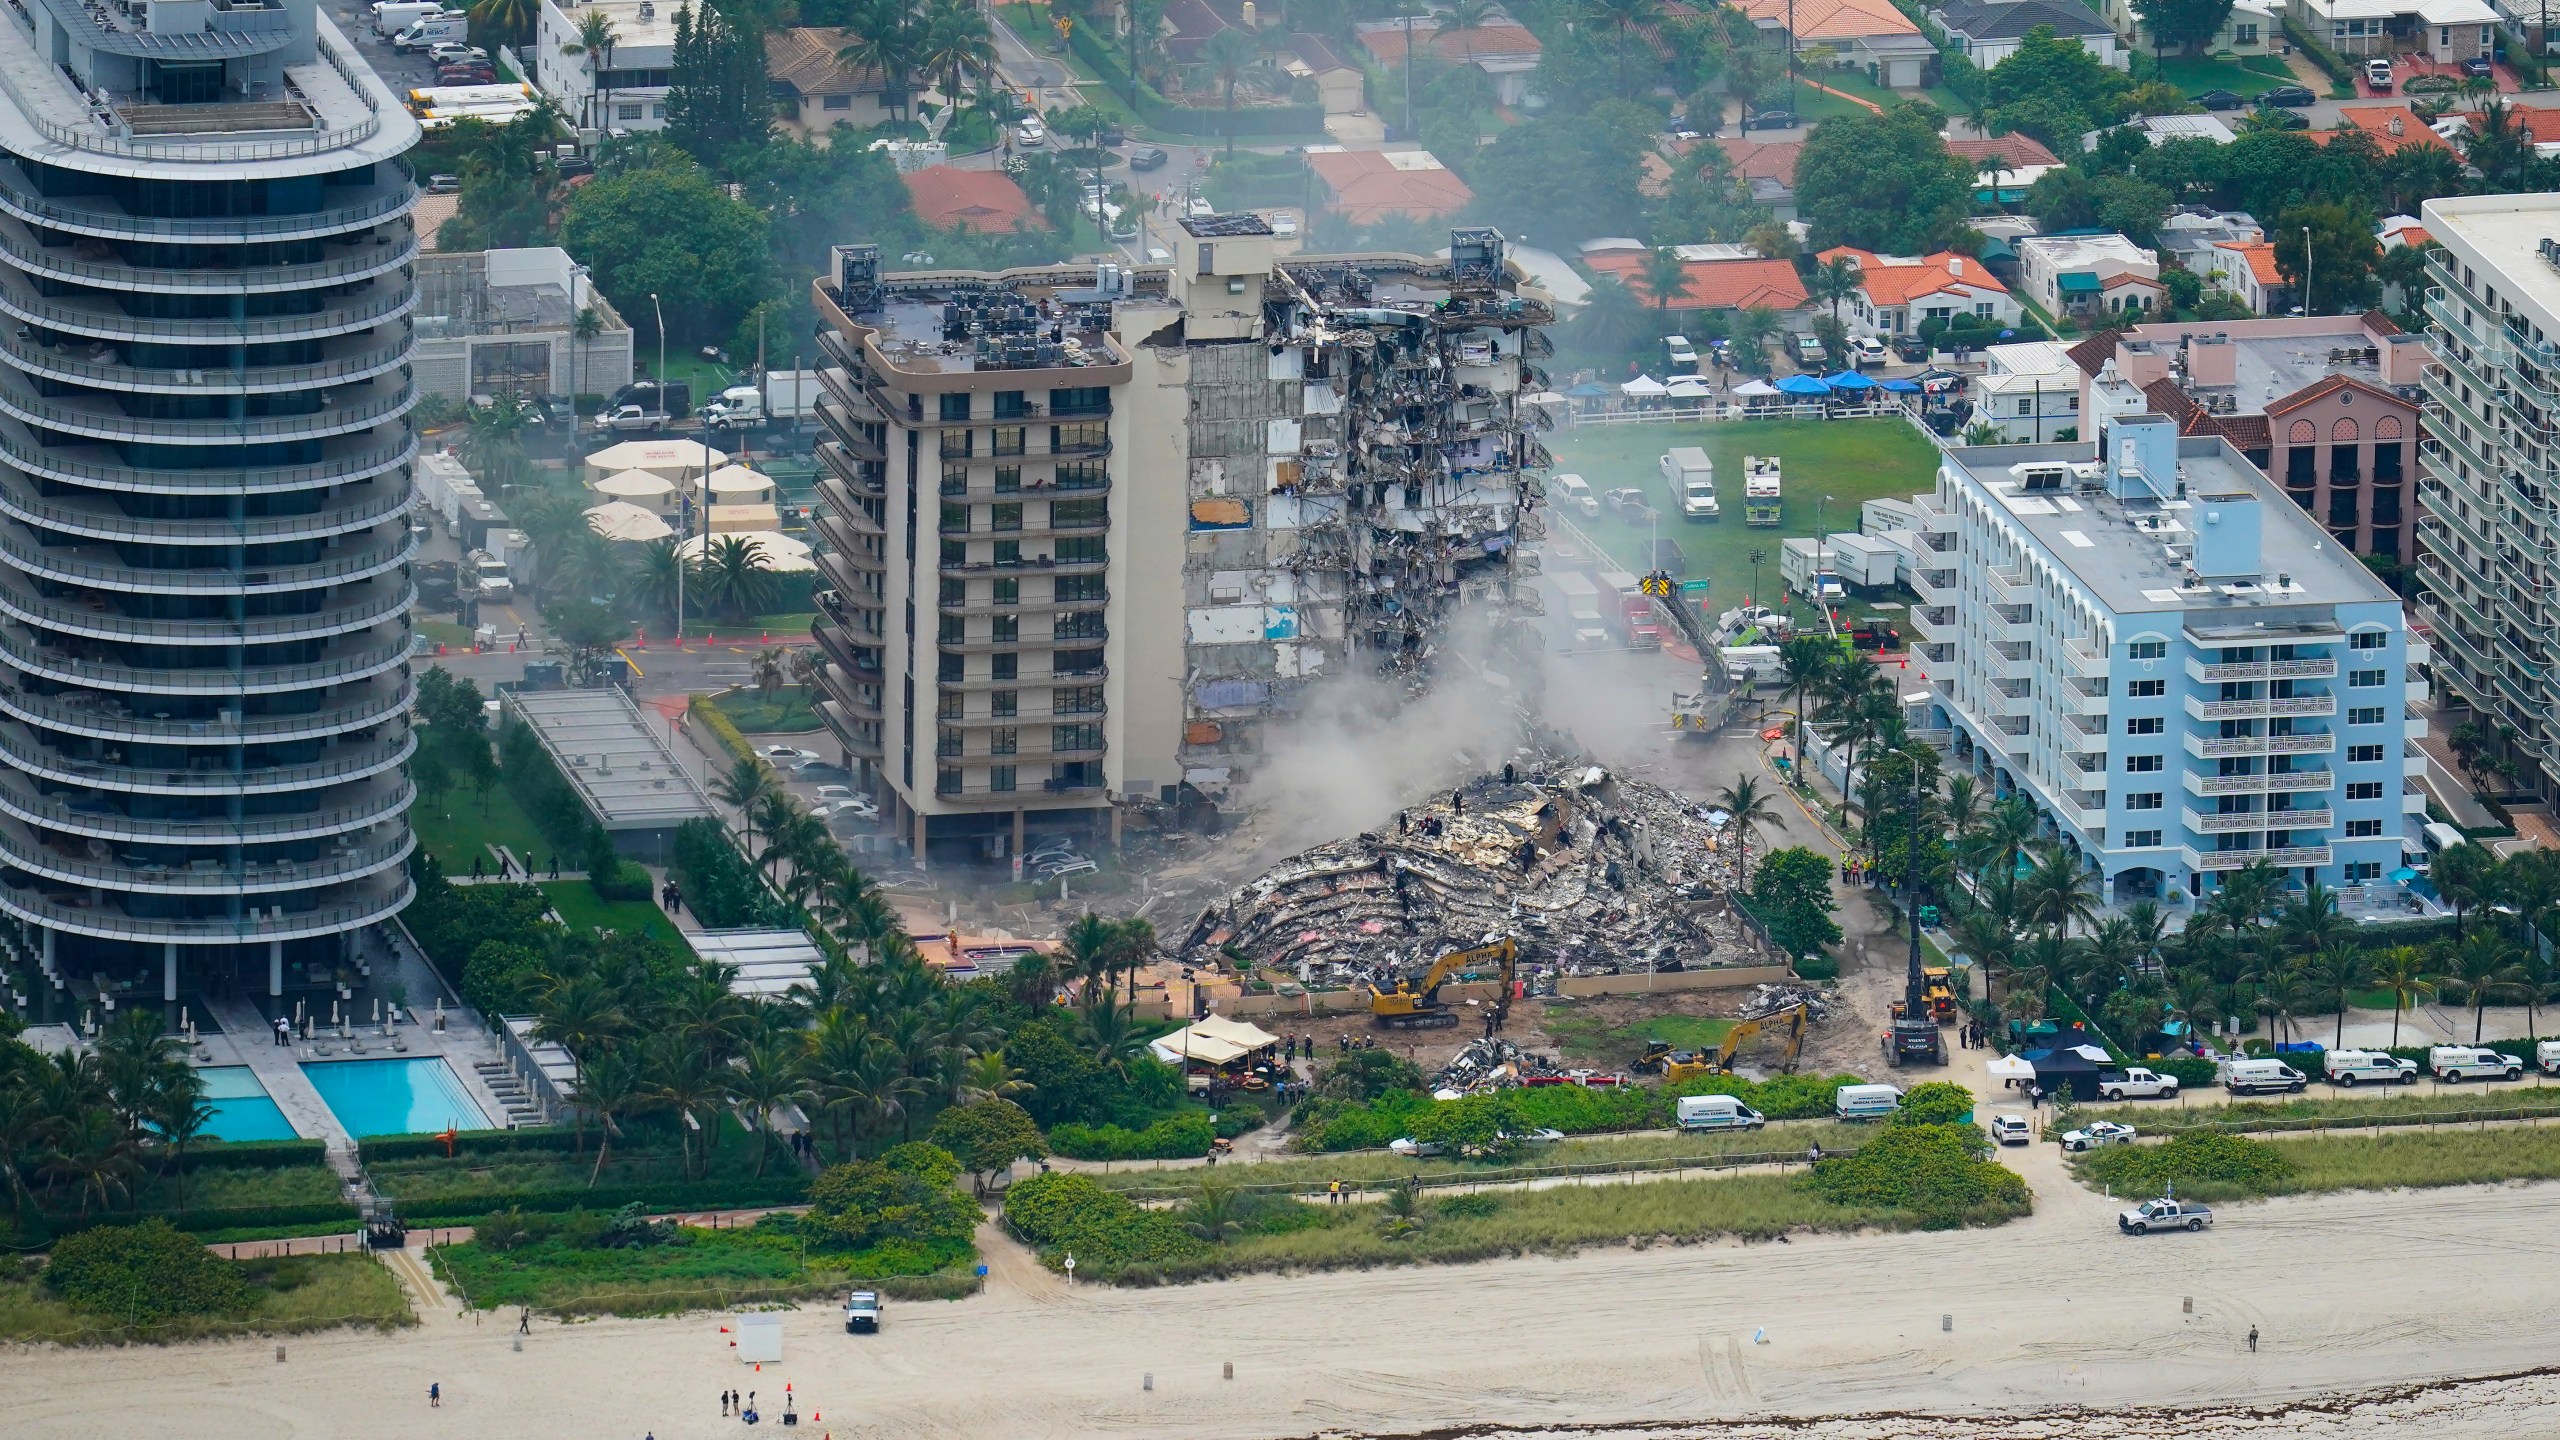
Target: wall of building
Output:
{"points": [[2350, 461]]}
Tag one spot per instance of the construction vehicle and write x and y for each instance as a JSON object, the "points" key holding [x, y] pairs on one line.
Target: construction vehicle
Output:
{"points": [[1414, 1003], [1938, 988], [1678, 1065], [1704, 710]]}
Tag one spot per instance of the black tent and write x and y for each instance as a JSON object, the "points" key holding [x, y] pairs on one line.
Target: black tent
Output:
{"points": [[2058, 1070]]}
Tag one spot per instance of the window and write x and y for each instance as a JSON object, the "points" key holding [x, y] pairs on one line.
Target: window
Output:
{"points": [[1008, 479], [1008, 552], [1000, 779], [1005, 517], [2298, 467], [955, 407], [1077, 700], [1007, 591], [1091, 435], [2365, 715], [1009, 405], [955, 592], [1076, 587], [2363, 872], [2026, 407], [1003, 740], [952, 668], [1075, 737], [1004, 703], [2145, 725], [957, 444], [2244, 35], [2368, 640], [2147, 649], [2363, 754], [2141, 839], [955, 552], [2363, 829], [658, 111], [955, 630], [835, 102], [2147, 800], [946, 782], [1080, 475], [629, 112], [1079, 625], [2365, 679], [2141, 764], [955, 479], [1004, 667], [948, 707], [1077, 662], [1008, 440], [955, 519], [1008, 629], [2365, 790], [1982, 309], [1079, 550], [2146, 689]]}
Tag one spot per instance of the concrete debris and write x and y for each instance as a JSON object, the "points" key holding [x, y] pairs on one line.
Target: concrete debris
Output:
{"points": [[1497, 1064], [1594, 874], [1770, 999]]}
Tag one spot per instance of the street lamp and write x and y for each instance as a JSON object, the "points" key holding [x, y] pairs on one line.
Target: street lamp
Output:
{"points": [[1757, 557], [2306, 272]]}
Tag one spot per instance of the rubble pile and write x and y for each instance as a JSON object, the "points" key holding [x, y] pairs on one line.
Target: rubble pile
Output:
{"points": [[1770, 999], [1593, 874], [1497, 1064]]}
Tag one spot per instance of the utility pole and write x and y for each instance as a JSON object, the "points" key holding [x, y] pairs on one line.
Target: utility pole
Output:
{"points": [[2306, 272], [1791, 67], [1408, 72]]}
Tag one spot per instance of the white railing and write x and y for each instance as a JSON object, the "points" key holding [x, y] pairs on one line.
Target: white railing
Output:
{"points": [[99, 136]]}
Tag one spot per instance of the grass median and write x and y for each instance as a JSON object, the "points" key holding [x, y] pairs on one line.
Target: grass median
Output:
{"points": [[1370, 1169], [2224, 1167], [2310, 1110]]}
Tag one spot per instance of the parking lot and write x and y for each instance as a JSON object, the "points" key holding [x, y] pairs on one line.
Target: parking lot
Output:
{"points": [[400, 72]]}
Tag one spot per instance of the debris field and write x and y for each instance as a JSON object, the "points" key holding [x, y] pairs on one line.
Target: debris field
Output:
{"points": [[1595, 875]]}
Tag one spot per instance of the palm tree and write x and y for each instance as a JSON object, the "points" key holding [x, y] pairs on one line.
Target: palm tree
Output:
{"points": [[1860, 702], [2340, 970], [2484, 963], [181, 1118], [1216, 1213], [766, 672], [650, 584], [2285, 994], [1091, 949], [611, 1085], [747, 782], [2465, 875], [883, 36], [1229, 54], [94, 1152], [1625, 17], [1612, 321], [1805, 663], [2059, 892], [694, 1086], [1111, 1034], [1664, 277], [2247, 894], [2409, 978], [1834, 281], [768, 1079], [1747, 809], [504, 22], [953, 44], [595, 40], [1751, 331], [988, 1077], [735, 577], [2310, 923]]}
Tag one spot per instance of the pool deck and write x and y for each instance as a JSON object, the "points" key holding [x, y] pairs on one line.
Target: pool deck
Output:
{"points": [[249, 1039]]}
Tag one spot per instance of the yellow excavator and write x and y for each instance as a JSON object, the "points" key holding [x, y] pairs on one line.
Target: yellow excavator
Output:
{"points": [[1678, 1065], [1414, 1003]]}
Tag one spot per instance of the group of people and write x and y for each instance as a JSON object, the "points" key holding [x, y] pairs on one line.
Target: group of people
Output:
{"points": [[670, 899], [507, 867], [1969, 1035]]}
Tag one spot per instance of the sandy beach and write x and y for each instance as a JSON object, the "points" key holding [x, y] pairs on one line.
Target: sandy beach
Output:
{"points": [[2366, 1304]]}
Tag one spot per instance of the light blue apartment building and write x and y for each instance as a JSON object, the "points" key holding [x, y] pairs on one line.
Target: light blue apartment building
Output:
{"points": [[2183, 671]]}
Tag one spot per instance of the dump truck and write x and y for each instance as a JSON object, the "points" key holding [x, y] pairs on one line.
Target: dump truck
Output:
{"points": [[1762, 503]]}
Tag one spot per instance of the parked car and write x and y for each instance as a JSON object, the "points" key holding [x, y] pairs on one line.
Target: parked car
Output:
{"points": [[2454, 1064], [1151, 157], [1868, 351], [2220, 100], [444, 184], [2353, 1067], [1060, 869], [1911, 348], [1628, 504], [2009, 1130], [2290, 96], [2377, 73], [786, 754], [2284, 119], [450, 52], [1413, 1149], [2478, 67], [1030, 133], [1769, 120], [459, 75], [2098, 1133], [2164, 1214]]}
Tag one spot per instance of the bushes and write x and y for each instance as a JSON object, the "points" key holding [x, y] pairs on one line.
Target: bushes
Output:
{"points": [[1936, 1102], [1780, 1097], [452, 921], [1063, 1214], [1935, 1171], [2190, 1071], [546, 795], [1328, 1125], [144, 1273], [629, 881], [1176, 1137], [467, 1143], [2217, 1164], [905, 1198], [702, 712], [254, 1154], [720, 888], [2330, 62]]}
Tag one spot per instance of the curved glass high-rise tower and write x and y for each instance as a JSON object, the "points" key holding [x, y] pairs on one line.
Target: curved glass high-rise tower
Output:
{"points": [[205, 285]]}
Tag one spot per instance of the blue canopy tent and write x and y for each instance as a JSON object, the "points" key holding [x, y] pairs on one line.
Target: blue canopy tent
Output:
{"points": [[1849, 380], [1589, 390], [1811, 387], [1901, 387]]}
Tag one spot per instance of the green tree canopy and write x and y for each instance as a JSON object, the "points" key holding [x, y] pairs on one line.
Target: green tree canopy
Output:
{"points": [[669, 229], [1578, 169], [1883, 182], [988, 1136], [718, 96], [1791, 893], [2188, 24], [2055, 90]]}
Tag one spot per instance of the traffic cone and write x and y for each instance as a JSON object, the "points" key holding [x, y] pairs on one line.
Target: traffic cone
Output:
{"points": [[765, 638]]}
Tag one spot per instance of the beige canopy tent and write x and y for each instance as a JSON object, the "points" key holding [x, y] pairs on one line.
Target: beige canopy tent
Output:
{"points": [[651, 492], [622, 520], [738, 485], [1214, 1041], [782, 554], [742, 519], [668, 459]]}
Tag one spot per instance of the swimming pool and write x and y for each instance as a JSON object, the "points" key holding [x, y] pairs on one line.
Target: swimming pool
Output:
{"points": [[416, 1096], [241, 1107]]}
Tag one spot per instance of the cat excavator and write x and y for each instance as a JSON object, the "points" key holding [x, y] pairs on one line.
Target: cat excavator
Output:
{"points": [[1678, 1065], [1414, 1002]]}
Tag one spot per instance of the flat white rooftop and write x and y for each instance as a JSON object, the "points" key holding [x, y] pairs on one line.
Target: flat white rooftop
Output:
{"points": [[620, 767]]}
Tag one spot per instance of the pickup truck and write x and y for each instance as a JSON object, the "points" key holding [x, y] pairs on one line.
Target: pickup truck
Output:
{"points": [[2134, 1082], [629, 418], [2163, 1214]]}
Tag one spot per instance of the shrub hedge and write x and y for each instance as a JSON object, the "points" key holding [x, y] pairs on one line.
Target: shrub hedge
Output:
{"points": [[1936, 1171], [1062, 1214], [469, 1142], [254, 1154], [2224, 1163], [1175, 1137], [2330, 62], [312, 1219], [1327, 1125], [707, 715], [143, 1273], [659, 1196]]}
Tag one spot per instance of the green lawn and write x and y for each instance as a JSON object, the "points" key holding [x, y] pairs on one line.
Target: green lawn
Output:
{"points": [[1586, 1039], [287, 1296], [582, 911], [461, 823], [703, 1270], [446, 633], [753, 714], [2199, 75], [1852, 461], [1856, 83]]}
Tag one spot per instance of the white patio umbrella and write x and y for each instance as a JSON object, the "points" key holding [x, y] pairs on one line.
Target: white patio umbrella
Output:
{"points": [[622, 520], [1644, 387]]}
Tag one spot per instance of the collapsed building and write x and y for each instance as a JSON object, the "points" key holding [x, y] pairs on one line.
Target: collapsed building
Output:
{"points": [[1592, 874], [1090, 533]]}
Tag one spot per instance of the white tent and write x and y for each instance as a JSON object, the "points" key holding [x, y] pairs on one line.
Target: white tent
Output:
{"points": [[1690, 387], [2011, 1067], [1754, 389], [638, 486], [1213, 1041], [622, 520], [731, 482], [666, 459], [782, 554], [1644, 387]]}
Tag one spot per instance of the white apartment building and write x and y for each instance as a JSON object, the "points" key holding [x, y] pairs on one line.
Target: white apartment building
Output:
{"points": [[2181, 670], [2094, 277], [2489, 469], [620, 86], [2030, 391]]}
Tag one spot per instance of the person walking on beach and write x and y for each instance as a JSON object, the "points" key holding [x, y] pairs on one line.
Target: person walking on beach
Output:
{"points": [[2253, 1339], [435, 1388], [524, 1320]]}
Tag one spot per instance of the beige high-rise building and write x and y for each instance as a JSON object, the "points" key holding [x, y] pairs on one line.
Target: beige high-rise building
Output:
{"points": [[1090, 532]]}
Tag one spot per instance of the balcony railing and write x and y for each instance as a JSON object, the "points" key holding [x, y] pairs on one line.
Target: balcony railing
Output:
{"points": [[2219, 822], [20, 648], [2288, 781], [361, 809], [352, 861], [397, 251], [19, 198], [101, 420], [108, 716], [102, 319], [359, 460], [378, 603], [363, 903], [28, 752], [61, 562], [103, 520], [2219, 860]]}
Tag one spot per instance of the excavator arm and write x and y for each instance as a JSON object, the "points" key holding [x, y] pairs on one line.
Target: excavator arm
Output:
{"points": [[1415, 1000]]}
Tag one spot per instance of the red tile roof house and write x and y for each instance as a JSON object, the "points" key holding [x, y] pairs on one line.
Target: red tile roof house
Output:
{"points": [[986, 201], [1718, 284], [1188, 24], [1370, 185], [1508, 54], [1897, 294], [1767, 169]]}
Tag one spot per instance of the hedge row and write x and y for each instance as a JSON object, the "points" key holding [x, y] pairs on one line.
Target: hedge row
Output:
{"points": [[707, 715], [470, 1142], [255, 1154], [2330, 62], [1189, 119], [463, 1207], [1176, 1137], [319, 1218]]}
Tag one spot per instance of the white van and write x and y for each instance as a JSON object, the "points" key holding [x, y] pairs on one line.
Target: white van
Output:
{"points": [[2441, 837], [1572, 493], [2456, 1063], [1866, 1102], [2546, 1056], [390, 17], [1715, 1112], [2259, 1077], [430, 31], [2353, 1067]]}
